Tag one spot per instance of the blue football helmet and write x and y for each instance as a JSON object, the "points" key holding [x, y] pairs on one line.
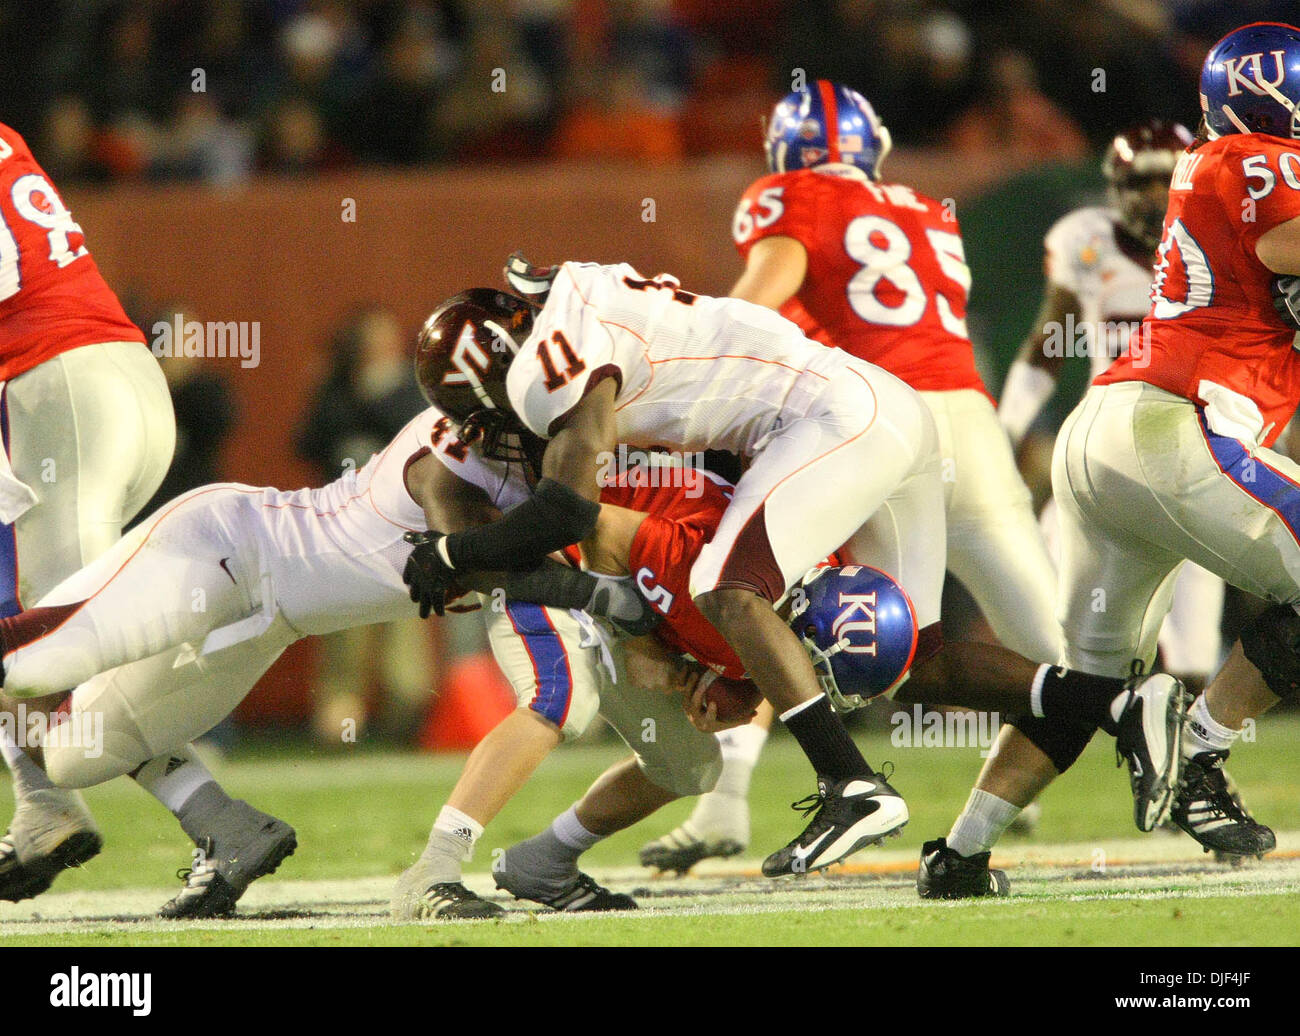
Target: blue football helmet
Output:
{"points": [[859, 626], [1250, 82], [825, 122]]}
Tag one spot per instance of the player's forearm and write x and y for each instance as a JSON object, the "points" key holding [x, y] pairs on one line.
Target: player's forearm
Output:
{"points": [[1027, 388], [555, 585], [552, 519]]}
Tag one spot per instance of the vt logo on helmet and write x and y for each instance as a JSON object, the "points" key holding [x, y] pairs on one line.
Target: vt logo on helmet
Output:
{"points": [[462, 354], [823, 123], [859, 626], [1250, 82]]}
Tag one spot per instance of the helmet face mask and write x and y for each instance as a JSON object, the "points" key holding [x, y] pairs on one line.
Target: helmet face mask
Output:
{"points": [[825, 123], [1250, 82], [501, 436], [859, 628]]}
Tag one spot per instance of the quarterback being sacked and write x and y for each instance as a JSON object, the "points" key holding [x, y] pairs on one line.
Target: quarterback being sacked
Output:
{"points": [[838, 451], [878, 270], [1167, 457], [88, 433]]}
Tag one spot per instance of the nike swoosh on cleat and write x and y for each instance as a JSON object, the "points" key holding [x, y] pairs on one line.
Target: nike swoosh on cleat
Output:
{"points": [[802, 853]]}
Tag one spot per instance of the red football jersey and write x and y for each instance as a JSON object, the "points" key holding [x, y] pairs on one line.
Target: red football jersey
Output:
{"points": [[887, 277], [679, 522], [1211, 316], [52, 297]]}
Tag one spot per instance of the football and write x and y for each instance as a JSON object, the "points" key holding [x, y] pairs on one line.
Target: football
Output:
{"points": [[735, 699]]}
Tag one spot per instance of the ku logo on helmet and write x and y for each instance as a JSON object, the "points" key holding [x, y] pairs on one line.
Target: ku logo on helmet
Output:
{"points": [[1255, 83], [859, 617]]}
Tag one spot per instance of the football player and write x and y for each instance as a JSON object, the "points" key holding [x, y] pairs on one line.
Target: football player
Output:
{"points": [[88, 433], [878, 270], [1098, 266], [268, 567], [1168, 458], [1098, 263], [838, 450]]}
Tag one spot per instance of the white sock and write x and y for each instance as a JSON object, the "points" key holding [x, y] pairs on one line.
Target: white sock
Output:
{"points": [[173, 779], [981, 823], [460, 826], [1204, 733], [28, 777], [568, 831], [742, 742]]}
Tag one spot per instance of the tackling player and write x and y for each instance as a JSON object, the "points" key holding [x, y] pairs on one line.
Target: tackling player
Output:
{"points": [[1167, 457], [838, 450], [88, 433], [271, 567], [879, 270]]}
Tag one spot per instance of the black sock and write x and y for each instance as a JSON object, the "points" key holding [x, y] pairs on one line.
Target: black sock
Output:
{"points": [[826, 742], [1080, 697]]}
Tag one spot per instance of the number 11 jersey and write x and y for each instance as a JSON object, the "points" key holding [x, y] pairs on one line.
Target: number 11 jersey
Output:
{"points": [[692, 372]]}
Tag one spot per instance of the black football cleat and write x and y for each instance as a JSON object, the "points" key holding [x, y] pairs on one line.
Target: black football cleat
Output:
{"points": [[247, 844], [1209, 809], [853, 813], [946, 874], [452, 901], [1149, 741], [583, 894]]}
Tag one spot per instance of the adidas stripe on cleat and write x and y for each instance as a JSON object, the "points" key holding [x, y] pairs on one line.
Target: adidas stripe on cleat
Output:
{"points": [[247, 845], [584, 894], [1211, 810]]}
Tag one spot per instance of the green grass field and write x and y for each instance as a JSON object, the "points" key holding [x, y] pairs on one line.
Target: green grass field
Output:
{"points": [[1086, 877]]}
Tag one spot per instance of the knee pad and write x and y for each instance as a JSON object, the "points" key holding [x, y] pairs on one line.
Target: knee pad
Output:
{"points": [[1062, 743], [1272, 645]]}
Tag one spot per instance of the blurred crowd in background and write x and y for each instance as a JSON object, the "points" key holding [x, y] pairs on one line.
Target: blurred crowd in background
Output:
{"points": [[220, 90]]}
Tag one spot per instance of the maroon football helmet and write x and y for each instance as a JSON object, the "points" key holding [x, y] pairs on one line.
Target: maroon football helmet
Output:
{"points": [[1137, 167], [462, 354]]}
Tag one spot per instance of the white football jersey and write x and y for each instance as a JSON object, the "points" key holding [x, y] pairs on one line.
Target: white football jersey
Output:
{"points": [[1113, 290], [693, 372], [336, 554]]}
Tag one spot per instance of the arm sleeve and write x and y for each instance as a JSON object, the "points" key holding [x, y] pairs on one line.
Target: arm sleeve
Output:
{"points": [[554, 517]]}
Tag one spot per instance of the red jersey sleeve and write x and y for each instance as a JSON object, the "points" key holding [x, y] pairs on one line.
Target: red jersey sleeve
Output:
{"points": [[1259, 184], [771, 209]]}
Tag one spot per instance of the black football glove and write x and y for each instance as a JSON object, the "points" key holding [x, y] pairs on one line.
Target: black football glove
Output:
{"points": [[619, 600], [1286, 299], [428, 576], [532, 282]]}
